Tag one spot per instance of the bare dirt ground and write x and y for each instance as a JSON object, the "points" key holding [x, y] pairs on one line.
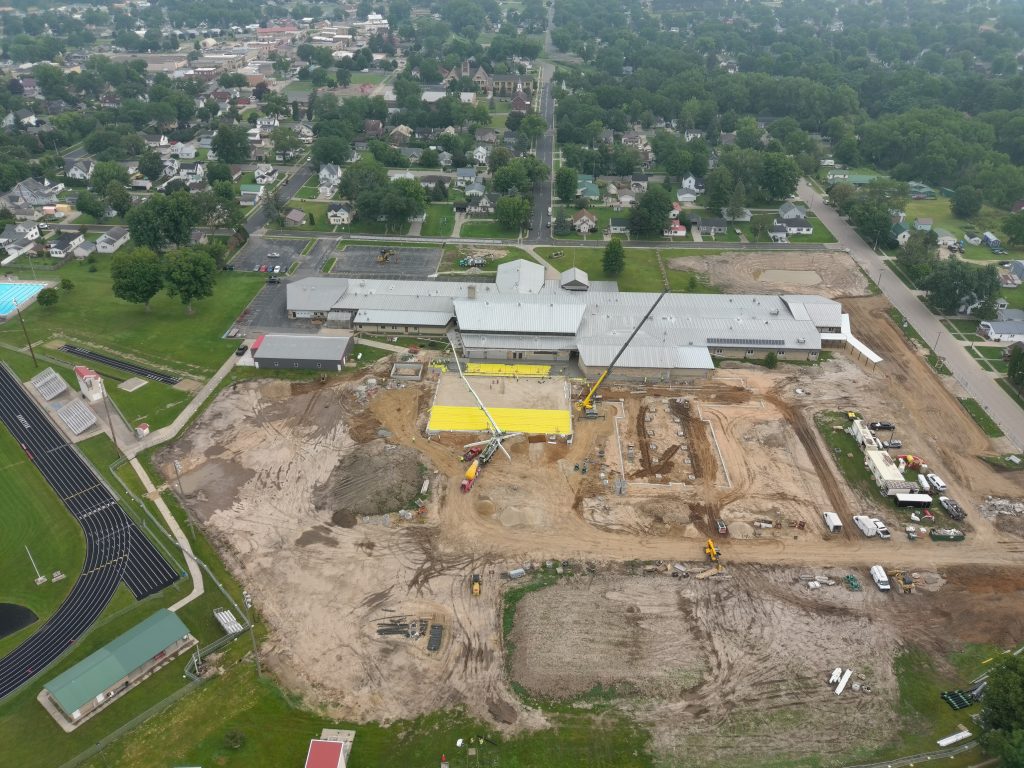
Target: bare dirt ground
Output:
{"points": [[727, 669], [825, 273], [298, 485], [540, 393]]}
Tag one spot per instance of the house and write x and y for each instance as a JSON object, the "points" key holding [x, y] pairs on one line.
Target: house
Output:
{"points": [[638, 182], [79, 170], [710, 226], [250, 195], [1002, 330], [185, 150], [923, 225], [464, 177], [204, 140], [16, 232], [583, 221], [692, 183], [444, 159], [634, 139], [482, 204], [777, 232], [480, 155], [112, 239], [265, 173], [792, 211], [588, 190], [476, 189], [1017, 269], [412, 154], [267, 124], [157, 140], [684, 195], [84, 250], [171, 167], [675, 229], [31, 193], [305, 133], [192, 173], [990, 240], [617, 226], [1008, 351], [796, 226], [486, 135], [400, 135], [373, 128], [25, 117], [919, 191], [339, 214], [330, 175], [254, 135], [142, 184], [900, 232], [62, 247], [744, 214], [296, 217]]}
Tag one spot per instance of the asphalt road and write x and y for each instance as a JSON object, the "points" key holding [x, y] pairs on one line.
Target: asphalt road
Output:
{"points": [[287, 191], [545, 153], [115, 549], [979, 384]]}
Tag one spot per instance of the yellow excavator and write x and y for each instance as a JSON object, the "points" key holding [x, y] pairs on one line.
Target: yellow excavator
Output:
{"points": [[586, 403]]}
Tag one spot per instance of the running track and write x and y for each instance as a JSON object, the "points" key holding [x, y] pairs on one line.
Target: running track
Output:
{"points": [[138, 370], [115, 549]]}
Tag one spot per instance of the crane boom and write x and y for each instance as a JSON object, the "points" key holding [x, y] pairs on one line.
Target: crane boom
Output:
{"points": [[587, 403], [494, 427]]}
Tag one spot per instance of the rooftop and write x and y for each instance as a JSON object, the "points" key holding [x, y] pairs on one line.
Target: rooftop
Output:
{"points": [[301, 347]]}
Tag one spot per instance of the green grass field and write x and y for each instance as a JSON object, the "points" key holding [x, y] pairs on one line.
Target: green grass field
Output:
{"points": [[165, 337], [440, 220], [641, 272], [980, 415], [371, 78], [487, 228], [989, 219], [847, 454], [33, 516]]}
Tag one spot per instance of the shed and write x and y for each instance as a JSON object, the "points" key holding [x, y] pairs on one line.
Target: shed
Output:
{"points": [[574, 279], [314, 353], [96, 680]]}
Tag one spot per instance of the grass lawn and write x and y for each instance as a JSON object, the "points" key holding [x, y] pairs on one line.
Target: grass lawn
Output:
{"points": [[277, 733], [329, 264], [821, 233], [165, 337], [989, 219], [319, 211], [440, 220], [1013, 393], [498, 120], [300, 86], [604, 214], [368, 78], [452, 254], [487, 228], [980, 415], [368, 227], [34, 517], [641, 272], [1014, 296], [847, 454]]}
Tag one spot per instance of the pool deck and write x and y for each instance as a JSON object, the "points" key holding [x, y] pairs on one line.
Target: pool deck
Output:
{"points": [[23, 292]]}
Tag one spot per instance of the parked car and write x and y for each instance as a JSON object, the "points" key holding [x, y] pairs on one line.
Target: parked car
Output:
{"points": [[273, 280], [936, 482], [881, 529], [263, 267], [256, 268], [954, 510], [242, 349], [273, 255], [277, 268], [892, 444], [882, 425], [43, 227]]}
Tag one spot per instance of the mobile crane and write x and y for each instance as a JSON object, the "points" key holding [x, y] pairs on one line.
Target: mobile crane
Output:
{"points": [[586, 403]]}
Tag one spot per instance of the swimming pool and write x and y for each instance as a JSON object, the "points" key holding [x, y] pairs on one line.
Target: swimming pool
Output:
{"points": [[16, 292]]}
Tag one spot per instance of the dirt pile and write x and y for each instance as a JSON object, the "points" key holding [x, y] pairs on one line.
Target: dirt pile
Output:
{"points": [[705, 464], [375, 479]]}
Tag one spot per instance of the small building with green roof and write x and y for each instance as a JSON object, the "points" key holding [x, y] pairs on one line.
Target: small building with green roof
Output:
{"points": [[103, 676]]}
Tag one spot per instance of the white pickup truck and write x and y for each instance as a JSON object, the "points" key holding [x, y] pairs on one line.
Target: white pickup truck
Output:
{"points": [[880, 529]]}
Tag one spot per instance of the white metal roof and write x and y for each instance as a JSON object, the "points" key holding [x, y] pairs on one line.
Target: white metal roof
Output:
{"points": [[599, 353], [574, 275], [402, 317], [473, 341], [49, 384], [315, 293], [77, 416], [520, 276], [518, 316], [296, 347]]}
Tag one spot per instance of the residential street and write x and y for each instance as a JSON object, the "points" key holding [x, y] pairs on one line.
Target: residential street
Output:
{"points": [[287, 191], [979, 384]]}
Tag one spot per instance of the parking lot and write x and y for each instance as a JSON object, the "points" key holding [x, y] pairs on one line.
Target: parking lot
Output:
{"points": [[259, 251], [407, 263]]}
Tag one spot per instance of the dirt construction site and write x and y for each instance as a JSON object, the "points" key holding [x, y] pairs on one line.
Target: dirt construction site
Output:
{"points": [[345, 521]]}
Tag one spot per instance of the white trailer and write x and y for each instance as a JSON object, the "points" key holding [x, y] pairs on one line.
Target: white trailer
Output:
{"points": [[832, 522], [866, 525]]}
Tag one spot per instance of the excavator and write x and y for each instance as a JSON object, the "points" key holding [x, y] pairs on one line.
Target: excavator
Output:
{"points": [[385, 255], [586, 403]]}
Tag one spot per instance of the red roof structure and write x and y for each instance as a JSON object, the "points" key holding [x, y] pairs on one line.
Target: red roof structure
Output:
{"points": [[325, 754]]}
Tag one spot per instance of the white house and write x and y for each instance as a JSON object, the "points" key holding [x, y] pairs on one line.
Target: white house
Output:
{"points": [[25, 230], [267, 124], [796, 226], [1002, 330], [692, 183], [80, 170], [185, 150], [339, 214], [583, 221], [192, 173], [684, 195], [112, 239], [62, 247], [330, 174], [171, 167], [464, 177], [792, 211], [638, 182], [480, 155], [265, 173]]}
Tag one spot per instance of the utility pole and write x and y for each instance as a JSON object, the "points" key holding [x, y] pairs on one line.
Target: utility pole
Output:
{"points": [[110, 422], [27, 340], [252, 632]]}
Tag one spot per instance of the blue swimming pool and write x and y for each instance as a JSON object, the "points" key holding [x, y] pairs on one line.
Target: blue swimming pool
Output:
{"points": [[16, 292]]}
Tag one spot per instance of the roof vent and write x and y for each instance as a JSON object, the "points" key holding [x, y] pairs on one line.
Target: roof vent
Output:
{"points": [[801, 340]]}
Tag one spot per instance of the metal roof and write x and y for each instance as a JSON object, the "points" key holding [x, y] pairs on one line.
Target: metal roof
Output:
{"points": [[520, 276], [49, 384], [315, 293], [77, 416], [518, 341], [574, 275], [295, 347], [116, 660], [510, 316], [598, 353], [402, 317]]}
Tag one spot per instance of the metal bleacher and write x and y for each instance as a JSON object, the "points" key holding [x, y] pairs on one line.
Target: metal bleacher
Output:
{"points": [[77, 416], [49, 384]]}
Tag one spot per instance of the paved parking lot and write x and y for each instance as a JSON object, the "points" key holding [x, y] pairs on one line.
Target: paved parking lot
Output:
{"points": [[408, 263], [267, 313], [260, 251]]}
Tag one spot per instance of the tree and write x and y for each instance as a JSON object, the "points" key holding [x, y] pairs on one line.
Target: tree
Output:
{"points": [[117, 197], [285, 141], [145, 224], [1002, 715], [47, 297], [566, 181], [216, 171], [191, 274], [649, 214], [1015, 368], [513, 211], [137, 275], [231, 143], [779, 176], [1013, 226], [66, 285], [771, 360], [737, 201], [718, 188], [614, 259], [966, 202], [91, 204], [104, 173], [150, 165], [362, 175]]}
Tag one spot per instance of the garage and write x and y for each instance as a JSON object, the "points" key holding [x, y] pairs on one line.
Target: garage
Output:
{"points": [[313, 353]]}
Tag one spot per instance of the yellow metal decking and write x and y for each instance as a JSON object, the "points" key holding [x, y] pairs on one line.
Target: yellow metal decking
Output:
{"points": [[453, 418], [506, 369]]}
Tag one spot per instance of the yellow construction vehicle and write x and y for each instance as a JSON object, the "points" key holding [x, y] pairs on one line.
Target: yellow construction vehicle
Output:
{"points": [[385, 255], [475, 584], [712, 551], [586, 403]]}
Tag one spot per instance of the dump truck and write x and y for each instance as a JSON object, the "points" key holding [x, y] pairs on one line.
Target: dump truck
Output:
{"points": [[470, 477], [475, 584]]}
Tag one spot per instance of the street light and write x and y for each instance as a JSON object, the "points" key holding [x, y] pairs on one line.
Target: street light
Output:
{"points": [[252, 632], [27, 339]]}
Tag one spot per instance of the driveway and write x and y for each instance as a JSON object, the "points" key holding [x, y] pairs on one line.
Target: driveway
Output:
{"points": [[979, 384]]}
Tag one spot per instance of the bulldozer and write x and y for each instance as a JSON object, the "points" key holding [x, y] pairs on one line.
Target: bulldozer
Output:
{"points": [[904, 580], [386, 255]]}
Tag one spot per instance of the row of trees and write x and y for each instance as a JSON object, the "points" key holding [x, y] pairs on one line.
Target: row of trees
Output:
{"points": [[139, 274]]}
